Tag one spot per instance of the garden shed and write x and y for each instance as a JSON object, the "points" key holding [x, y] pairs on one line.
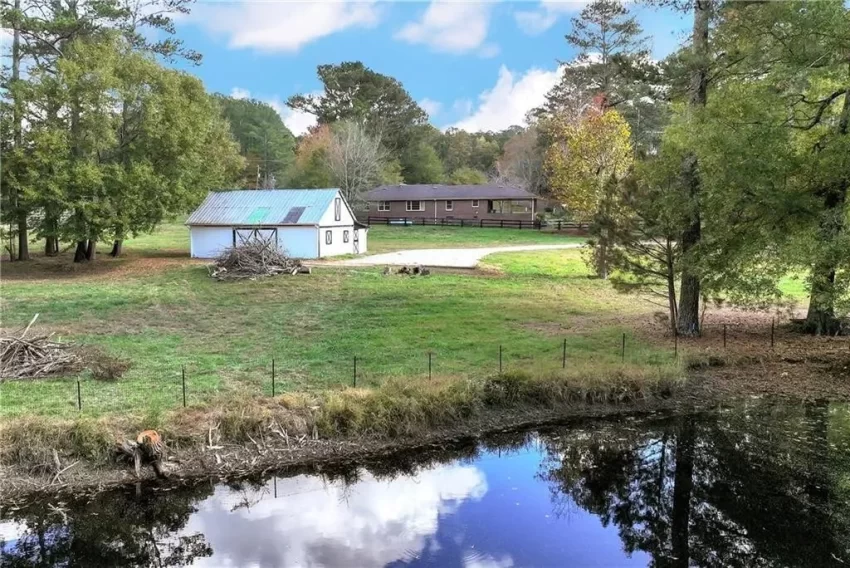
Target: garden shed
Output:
{"points": [[304, 223]]}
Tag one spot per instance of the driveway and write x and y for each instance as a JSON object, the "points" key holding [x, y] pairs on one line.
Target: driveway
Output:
{"points": [[443, 258]]}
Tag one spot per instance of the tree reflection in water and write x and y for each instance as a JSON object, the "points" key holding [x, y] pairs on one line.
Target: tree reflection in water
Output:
{"points": [[117, 528], [766, 486]]}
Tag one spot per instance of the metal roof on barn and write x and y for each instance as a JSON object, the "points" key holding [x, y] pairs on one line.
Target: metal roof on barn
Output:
{"points": [[263, 207]]}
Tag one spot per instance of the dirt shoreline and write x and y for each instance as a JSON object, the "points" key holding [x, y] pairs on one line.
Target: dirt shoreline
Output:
{"points": [[199, 463]]}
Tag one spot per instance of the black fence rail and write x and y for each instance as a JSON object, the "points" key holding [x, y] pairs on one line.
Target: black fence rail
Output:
{"points": [[456, 222], [481, 223]]}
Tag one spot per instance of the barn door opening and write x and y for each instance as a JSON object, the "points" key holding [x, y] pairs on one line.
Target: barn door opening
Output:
{"points": [[356, 241], [266, 237]]}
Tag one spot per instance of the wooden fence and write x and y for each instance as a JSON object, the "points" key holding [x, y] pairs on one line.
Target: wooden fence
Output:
{"points": [[456, 222]]}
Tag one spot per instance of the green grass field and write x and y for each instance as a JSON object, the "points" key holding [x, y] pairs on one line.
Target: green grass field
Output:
{"points": [[383, 238], [166, 318], [160, 311]]}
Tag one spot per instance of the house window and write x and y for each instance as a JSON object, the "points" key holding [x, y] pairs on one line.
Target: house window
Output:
{"points": [[415, 206], [475, 203], [329, 237], [345, 236], [450, 205], [337, 209], [383, 206]]}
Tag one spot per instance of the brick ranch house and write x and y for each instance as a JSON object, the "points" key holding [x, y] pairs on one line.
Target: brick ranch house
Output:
{"points": [[428, 201]]}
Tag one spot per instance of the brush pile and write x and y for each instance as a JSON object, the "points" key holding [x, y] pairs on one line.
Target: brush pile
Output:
{"points": [[34, 357], [253, 260]]}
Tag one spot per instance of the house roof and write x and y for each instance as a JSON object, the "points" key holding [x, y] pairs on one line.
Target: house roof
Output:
{"points": [[263, 207], [431, 191]]}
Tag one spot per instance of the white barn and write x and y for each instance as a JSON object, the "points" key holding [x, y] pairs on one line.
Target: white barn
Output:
{"points": [[306, 223]]}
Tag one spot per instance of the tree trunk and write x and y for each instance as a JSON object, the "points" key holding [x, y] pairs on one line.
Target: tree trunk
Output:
{"points": [[23, 238], [689, 291], [602, 259], [51, 246], [821, 319], [671, 288], [17, 135], [683, 485], [91, 250], [117, 245], [81, 252]]}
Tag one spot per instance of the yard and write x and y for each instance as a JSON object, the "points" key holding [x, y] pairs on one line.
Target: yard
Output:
{"points": [[159, 311]]}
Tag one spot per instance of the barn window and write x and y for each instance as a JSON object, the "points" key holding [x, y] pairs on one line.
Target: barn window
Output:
{"points": [[337, 209], [475, 203], [329, 237], [450, 205], [383, 206], [345, 236], [415, 206]]}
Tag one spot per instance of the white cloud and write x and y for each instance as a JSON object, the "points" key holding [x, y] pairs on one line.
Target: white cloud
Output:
{"points": [[431, 106], [507, 103], [453, 27], [298, 122], [239, 93], [282, 26], [370, 523], [534, 22]]}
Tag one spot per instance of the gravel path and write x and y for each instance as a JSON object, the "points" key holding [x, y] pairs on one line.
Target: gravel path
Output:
{"points": [[443, 258]]}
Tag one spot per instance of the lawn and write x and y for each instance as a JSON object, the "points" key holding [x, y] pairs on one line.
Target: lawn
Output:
{"points": [[225, 334], [383, 238]]}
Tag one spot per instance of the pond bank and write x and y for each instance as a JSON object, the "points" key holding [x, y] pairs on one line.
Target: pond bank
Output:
{"points": [[235, 437], [759, 482]]}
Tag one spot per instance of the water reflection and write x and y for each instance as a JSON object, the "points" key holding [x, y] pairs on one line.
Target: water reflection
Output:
{"points": [[764, 484]]}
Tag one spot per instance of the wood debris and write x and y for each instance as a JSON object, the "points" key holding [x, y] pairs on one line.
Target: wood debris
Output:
{"points": [[252, 260], [23, 357]]}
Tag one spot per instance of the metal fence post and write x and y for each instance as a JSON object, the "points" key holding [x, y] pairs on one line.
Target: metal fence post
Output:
{"points": [[624, 348], [79, 397], [273, 377], [564, 356], [183, 374]]}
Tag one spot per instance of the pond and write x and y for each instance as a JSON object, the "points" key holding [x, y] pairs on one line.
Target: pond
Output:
{"points": [[764, 483]]}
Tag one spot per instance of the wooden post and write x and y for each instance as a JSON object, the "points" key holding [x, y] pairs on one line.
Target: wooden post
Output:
{"points": [[273, 377], [461, 222], [79, 397], [564, 356], [183, 374], [501, 223], [481, 222]]}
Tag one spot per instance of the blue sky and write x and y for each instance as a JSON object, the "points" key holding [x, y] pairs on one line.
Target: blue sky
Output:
{"points": [[475, 65]]}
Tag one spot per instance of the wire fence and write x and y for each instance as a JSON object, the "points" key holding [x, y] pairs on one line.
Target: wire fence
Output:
{"points": [[191, 382]]}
